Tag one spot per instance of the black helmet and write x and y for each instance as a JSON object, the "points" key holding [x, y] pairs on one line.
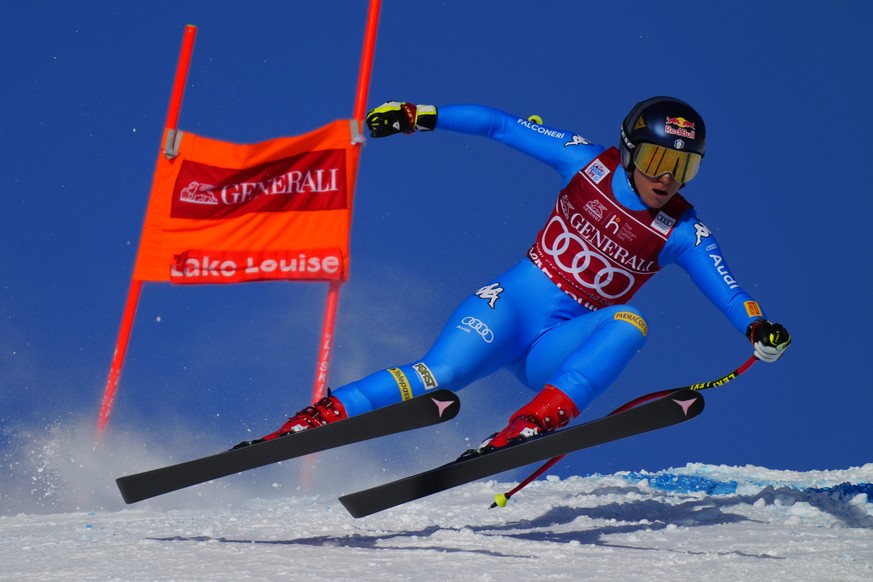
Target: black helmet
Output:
{"points": [[675, 131]]}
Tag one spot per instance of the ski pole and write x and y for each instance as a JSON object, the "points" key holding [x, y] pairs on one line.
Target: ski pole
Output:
{"points": [[501, 498]]}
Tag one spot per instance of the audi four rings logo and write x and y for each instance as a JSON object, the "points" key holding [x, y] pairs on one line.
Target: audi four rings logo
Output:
{"points": [[603, 278], [479, 327]]}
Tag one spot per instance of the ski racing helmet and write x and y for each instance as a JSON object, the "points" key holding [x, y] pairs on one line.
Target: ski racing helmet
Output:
{"points": [[663, 135]]}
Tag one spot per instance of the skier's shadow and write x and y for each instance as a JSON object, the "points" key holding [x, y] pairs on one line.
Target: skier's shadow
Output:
{"points": [[359, 541], [642, 515]]}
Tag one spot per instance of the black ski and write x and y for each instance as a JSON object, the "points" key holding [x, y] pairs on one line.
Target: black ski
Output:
{"points": [[425, 410], [673, 409]]}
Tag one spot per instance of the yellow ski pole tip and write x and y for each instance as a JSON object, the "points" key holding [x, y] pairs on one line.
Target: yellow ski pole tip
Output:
{"points": [[535, 119], [500, 499]]}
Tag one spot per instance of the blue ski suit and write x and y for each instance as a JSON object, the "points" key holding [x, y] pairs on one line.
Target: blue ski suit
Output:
{"points": [[523, 320]]}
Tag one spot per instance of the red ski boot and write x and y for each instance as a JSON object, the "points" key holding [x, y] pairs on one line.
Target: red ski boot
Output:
{"points": [[549, 410], [328, 409]]}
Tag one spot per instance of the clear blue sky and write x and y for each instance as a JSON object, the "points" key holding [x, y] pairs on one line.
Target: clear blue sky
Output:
{"points": [[785, 94]]}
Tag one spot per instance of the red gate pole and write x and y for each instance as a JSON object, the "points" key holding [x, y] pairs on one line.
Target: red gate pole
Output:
{"points": [[327, 334], [135, 284]]}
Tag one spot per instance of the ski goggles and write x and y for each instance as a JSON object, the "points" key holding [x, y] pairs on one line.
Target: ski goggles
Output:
{"points": [[654, 161]]}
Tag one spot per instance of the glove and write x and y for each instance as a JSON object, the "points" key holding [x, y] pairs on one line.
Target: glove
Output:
{"points": [[770, 339], [398, 116]]}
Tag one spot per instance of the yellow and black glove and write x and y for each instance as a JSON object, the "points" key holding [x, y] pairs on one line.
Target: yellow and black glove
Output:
{"points": [[770, 339], [400, 117]]}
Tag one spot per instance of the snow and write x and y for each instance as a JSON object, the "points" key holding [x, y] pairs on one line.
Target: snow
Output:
{"points": [[779, 525], [62, 519]]}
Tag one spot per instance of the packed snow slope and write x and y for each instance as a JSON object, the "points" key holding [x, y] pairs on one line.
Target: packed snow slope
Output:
{"points": [[63, 520]]}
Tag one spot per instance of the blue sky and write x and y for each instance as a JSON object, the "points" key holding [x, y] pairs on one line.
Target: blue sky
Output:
{"points": [[785, 94]]}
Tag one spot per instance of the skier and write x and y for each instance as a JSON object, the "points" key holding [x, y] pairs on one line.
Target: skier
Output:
{"points": [[560, 318]]}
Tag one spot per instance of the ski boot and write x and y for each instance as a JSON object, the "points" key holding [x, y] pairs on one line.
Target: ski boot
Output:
{"points": [[327, 410], [549, 410]]}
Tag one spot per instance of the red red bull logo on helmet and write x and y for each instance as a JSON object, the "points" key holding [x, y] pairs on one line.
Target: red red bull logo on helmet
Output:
{"points": [[679, 126]]}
